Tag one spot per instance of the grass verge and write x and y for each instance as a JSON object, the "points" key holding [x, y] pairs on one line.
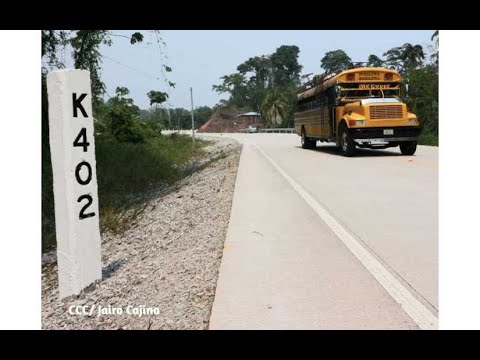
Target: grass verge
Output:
{"points": [[128, 176]]}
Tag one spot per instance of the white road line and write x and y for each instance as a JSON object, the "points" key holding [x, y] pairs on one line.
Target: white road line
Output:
{"points": [[412, 306]]}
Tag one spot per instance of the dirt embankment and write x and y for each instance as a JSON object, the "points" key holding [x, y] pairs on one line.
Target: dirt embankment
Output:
{"points": [[226, 120]]}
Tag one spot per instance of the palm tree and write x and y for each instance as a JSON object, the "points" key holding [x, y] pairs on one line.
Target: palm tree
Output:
{"points": [[274, 107], [435, 37], [412, 56], [405, 57]]}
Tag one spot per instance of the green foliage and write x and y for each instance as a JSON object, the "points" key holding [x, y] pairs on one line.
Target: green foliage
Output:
{"points": [[423, 97], [123, 125], [52, 41], [122, 118], [180, 118], [201, 115], [134, 162], [374, 61], [136, 38], [85, 51], [405, 57], [236, 85], [255, 78], [275, 107], [86, 55], [422, 79], [157, 97], [428, 138], [286, 69], [435, 36], [133, 158], [128, 175], [336, 61]]}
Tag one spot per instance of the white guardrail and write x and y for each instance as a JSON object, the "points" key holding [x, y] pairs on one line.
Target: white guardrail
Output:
{"points": [[266, 130], [270, 130]]}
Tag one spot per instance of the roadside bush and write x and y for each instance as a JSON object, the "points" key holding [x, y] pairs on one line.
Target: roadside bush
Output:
{"points": [[123, 125], [423, 100]]}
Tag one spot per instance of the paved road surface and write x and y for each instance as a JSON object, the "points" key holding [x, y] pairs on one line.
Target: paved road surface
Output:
{"points": [[317, 240]]}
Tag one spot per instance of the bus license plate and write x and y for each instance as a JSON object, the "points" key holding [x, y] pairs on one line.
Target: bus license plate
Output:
{"points": [[388, 132]]}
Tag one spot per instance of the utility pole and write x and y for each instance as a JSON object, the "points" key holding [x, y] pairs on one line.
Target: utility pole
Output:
{"points": [[193, 119]]}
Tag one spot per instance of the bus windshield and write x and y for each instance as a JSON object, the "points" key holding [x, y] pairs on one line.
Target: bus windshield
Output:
{"points": [[380, 100], [357, 92]]}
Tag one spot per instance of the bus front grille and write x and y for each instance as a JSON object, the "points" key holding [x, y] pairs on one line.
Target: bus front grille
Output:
{"points": [[386, 112]]}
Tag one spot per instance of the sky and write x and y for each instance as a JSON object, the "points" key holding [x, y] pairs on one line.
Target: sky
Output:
{"points": [[199, 58]]}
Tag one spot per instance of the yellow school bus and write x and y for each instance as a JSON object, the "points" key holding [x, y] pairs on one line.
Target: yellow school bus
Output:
{"points": [[356, 108]]}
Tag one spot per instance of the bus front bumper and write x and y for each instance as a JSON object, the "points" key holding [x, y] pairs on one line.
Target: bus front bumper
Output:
{"points": [[384, 135]]}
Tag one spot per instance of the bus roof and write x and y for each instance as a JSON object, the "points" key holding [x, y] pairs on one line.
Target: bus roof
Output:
{"points": [[368, 74], [357, 75]]}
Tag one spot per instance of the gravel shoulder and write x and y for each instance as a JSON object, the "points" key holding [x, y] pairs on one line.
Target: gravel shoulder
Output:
{"points": [[168, 259]]}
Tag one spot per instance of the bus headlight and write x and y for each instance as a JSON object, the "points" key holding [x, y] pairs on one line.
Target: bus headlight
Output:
{"points": [[356, 122], [413, 121]]}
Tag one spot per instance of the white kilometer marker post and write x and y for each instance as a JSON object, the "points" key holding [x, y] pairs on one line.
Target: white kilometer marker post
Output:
{"points": [[72, 148]]}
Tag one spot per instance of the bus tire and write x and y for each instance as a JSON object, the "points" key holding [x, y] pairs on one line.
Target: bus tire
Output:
{"points": [[307, 143], [347, 145], [408, 147]]}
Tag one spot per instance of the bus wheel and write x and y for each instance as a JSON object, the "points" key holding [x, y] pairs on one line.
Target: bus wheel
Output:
{"points": [[347, 145], [306, 142], [408, 147]]}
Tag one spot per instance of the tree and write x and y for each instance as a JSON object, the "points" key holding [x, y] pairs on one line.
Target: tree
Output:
{"points": [[52, 41], [86, 55], [258, 72], [413, 56], [405, 57], [285, 67], [274, 107], [374, 61], [336, 61], [258, 75], [202, 114], [157, 97], [85, 46], [234, 84], [423, 96], [122, 117]]}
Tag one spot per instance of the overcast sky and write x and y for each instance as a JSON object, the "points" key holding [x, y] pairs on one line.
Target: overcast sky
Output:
{"points": [[200, 58]]}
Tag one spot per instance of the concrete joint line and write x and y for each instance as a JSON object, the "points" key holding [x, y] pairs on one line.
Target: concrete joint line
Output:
{"points": [[412, 306]]}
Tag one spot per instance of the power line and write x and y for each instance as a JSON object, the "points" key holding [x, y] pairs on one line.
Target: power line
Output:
{"points": [[132, 68], [150, 76]]}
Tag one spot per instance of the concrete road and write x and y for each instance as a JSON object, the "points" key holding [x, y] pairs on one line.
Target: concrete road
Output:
{"points": [[317, 240]]}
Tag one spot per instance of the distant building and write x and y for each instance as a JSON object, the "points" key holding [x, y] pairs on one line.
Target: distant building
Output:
{"points": [[251, 117]]}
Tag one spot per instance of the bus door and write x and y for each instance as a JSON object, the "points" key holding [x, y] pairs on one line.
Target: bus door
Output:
{"points": [[331, 96]]}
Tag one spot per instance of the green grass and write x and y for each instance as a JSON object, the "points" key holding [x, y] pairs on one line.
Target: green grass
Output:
{"points": [[128, 176], [427, 138]]}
